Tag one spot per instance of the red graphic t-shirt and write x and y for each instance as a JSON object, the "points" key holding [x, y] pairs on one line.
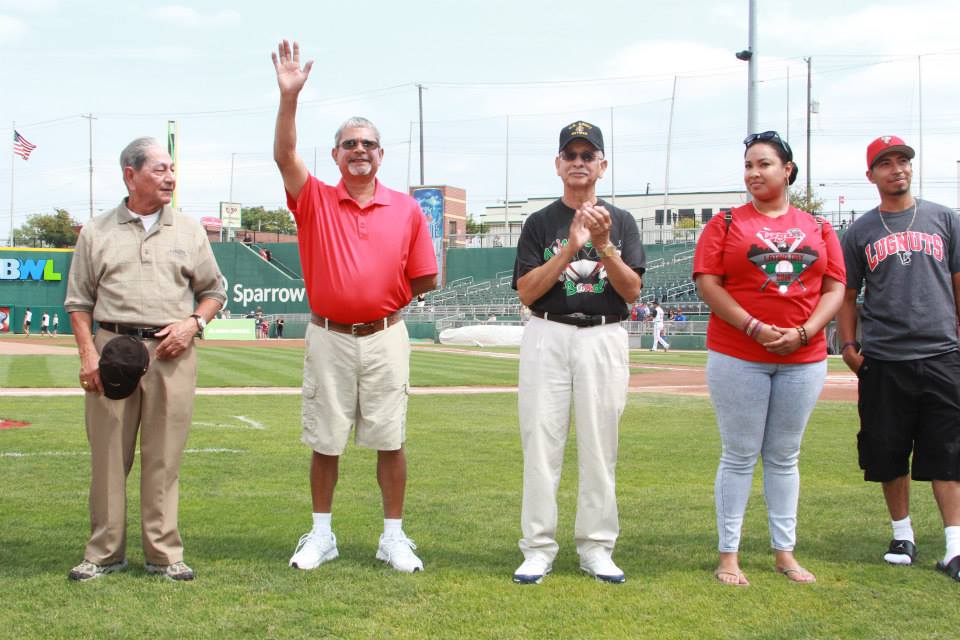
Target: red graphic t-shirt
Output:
{"points": [[774, 269]]}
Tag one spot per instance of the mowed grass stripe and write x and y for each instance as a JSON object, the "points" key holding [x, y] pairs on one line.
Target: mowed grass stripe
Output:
{"points": [[242, 513]]}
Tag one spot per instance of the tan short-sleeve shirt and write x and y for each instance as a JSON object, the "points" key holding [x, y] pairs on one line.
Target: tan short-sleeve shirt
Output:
{"points": [[121, 273]]}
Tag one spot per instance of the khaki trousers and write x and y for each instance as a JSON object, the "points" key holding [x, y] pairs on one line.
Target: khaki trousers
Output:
{"points": [[562, 365], [161, 410]]}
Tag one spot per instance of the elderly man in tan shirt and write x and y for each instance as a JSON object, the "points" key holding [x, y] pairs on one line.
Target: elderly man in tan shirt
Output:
{"points": [[141, 269]]}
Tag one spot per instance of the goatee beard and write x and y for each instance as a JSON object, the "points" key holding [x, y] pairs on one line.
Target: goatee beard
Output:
{"points": [[359, 168]]}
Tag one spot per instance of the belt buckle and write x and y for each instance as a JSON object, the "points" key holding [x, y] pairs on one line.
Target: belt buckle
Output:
{"points": [[357, 329]]}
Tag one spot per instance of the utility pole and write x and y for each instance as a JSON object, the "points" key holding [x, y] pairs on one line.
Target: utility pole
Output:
{"points": [[232, 157], [409, 152], [920, 110], [809, 62], [13, 159], [506, 184], [420, 100], [89, 117], [666, 178], [613, 165]]}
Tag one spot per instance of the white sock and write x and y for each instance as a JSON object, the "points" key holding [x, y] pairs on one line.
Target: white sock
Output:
{"points": [[953, 543], [902, 530], [392, 526], [321, 522]]}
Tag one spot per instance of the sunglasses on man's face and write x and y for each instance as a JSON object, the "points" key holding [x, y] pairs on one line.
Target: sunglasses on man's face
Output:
{"points": [[586, 156], [768, 136], [350, 145]]}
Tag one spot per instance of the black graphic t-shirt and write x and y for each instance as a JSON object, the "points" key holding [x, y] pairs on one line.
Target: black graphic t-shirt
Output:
{"points": [[583, 286]]}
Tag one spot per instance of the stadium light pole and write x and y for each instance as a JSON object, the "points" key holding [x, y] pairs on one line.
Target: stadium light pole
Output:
{"points": [[749, 55], [89, 118], [809, 62]]}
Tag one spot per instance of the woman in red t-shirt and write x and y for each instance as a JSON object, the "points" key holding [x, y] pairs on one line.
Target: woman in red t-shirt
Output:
{"points": [[773, 276]]}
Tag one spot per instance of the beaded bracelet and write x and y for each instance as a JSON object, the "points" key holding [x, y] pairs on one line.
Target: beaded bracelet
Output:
{"points": [[803, 336], [751, 326]]}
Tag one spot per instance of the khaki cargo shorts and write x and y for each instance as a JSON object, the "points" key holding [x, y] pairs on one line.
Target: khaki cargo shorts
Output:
{"points": [[351, 381]]}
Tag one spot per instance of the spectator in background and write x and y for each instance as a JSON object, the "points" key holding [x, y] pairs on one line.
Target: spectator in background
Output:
{"points": [[27, 319], [45, 324], [56, 323], [263, 254], [421, 301], [279, 327]]}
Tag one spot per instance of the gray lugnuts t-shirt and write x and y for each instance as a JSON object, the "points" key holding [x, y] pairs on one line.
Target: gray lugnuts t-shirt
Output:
{"points": [[909, 311]]}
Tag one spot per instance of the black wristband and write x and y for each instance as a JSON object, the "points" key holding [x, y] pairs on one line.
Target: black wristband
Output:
{"points": [[849, 343]]}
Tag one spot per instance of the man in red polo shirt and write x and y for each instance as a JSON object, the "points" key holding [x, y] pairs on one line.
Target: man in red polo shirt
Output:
{"points": [[366, 251]]}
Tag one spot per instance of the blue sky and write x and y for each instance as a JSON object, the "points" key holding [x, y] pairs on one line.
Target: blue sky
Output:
{"points": [[134, 65]]}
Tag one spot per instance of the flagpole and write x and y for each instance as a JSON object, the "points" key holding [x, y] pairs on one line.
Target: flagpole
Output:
{"points": [[12, 165]]}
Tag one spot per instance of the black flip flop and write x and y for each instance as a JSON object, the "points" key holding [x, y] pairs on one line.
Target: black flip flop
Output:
{"points": [[903, 548], [952, 568]]}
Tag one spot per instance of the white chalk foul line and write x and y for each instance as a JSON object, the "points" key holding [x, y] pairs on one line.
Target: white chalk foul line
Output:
{"points": [[58, 454]]}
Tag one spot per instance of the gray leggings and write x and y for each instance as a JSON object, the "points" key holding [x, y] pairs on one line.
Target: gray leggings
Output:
{"points": [[762, 410]]}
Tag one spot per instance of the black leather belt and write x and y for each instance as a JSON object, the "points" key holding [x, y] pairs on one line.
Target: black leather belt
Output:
{"points": [[358, 328], [578, 319], [147, 333]]}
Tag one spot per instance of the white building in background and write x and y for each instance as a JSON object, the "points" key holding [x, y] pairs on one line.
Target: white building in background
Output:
{"points": [[658, 222]]}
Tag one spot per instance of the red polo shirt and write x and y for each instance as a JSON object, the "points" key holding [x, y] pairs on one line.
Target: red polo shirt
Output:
{"points": [[358, 261]]}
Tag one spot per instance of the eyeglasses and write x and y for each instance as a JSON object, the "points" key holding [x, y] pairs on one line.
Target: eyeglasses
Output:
{"points": [[768, 136], [586, 156], [350, 145]]}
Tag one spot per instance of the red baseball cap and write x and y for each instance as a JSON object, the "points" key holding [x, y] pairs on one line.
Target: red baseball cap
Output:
{"points": [[884, 145]]}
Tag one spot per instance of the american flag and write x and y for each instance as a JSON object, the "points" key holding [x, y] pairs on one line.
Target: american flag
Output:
{"points": [[21, 146]]}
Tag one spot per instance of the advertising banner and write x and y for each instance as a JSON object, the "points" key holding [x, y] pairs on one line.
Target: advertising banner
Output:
{"points": [[232, 329], [431, 203], [230, 215]]}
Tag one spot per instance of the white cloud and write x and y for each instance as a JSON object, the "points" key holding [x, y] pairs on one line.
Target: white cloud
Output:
{"points": [[11, 29], [187, 17], [29, 6]]}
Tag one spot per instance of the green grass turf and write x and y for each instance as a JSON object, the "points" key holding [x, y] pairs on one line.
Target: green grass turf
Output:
{"points": [[235, 366], [699, 359], [242, 512]]}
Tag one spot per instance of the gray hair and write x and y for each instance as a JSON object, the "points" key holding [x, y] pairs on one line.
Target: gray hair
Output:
{"points": [[135, 153], [354, 123]]}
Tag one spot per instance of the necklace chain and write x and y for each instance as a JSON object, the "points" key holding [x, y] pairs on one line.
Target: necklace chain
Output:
{"points": [[905, 256]]}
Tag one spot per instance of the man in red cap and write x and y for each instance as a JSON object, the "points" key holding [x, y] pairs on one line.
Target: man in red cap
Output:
{"points": [[907, 253]]}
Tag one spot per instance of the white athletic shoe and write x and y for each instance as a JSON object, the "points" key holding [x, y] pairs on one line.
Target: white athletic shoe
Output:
{"points": [[314, 549], [397, 550], [532, 571], [599, 565]]}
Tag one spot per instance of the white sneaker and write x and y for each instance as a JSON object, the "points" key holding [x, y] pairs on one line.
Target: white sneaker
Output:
{"points": [[314, 549], [397, 550], [532, 571], [599, 565]]}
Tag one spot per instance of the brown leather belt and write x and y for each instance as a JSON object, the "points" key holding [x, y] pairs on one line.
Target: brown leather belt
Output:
{"points": [[358, 328], [147, 333]]}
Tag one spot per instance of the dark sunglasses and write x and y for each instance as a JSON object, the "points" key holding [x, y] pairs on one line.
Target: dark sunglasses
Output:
{"points": [[768, 136], [586, 156], [350, 145]]}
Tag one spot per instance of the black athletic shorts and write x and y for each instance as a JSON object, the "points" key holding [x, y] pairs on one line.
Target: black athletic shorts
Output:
{"points": [[911, 405]]}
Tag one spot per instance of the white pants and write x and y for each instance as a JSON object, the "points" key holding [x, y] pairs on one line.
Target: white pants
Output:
{"points": [[560, 363], [658, 336]]}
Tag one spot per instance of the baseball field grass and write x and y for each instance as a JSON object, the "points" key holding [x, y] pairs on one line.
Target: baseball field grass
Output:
{"points": [[245, 501]]}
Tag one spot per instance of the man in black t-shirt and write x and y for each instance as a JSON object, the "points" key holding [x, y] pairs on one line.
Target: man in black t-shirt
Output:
{"points": [[579, 263]]}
